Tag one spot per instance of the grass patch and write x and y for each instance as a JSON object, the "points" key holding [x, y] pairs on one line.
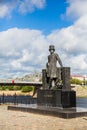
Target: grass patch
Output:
{"points": [[26, 89]]}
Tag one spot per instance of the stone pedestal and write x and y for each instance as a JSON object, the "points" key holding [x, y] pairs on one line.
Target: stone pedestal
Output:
{"points": [[56, 98], [65, 76], [63, 97]]}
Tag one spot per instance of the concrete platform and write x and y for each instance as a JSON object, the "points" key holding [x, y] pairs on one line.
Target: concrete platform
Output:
{"points": [[52, 111]]}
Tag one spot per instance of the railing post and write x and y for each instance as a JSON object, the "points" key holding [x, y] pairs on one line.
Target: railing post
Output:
{"points": [[15, 98], [3, 98]]}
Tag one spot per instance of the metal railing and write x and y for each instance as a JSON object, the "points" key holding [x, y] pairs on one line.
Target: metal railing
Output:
{"points": [[15, 99]]}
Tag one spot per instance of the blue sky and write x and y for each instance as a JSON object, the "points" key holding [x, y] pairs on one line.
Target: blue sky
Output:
{"points": [[46, 19], [28, 27]]}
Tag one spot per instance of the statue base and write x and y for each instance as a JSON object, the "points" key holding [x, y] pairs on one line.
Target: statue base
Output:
{"points": [[57, 98]]}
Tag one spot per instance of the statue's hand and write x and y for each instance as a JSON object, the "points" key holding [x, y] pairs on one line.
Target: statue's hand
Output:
{"points": [[47, 64], [62, 66]]}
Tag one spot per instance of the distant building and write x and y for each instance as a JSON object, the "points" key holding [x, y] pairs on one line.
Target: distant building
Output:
{"points": [[80, 77]]}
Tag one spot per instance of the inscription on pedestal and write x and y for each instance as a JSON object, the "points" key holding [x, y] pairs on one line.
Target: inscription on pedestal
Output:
{"points": [[48, 95]]}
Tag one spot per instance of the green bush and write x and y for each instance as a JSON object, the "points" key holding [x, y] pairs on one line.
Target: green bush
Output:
{"points": [[16, 87], [10, 88], [27, 89], [4, 87], [0, 87], [76, 81]]}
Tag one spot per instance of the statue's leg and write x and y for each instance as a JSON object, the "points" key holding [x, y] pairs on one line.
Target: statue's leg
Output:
{"points": [[53, 84], [50, 83]]}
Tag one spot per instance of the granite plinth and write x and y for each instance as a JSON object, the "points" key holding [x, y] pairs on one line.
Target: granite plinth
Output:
{"points": [[56, 98], [51, 111]]}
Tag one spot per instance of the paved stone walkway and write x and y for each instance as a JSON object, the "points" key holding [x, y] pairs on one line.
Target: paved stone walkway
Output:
{"points": [[12, 120]]}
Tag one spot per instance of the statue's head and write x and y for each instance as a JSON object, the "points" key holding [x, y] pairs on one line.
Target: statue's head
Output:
{"points": [[51, 48]]}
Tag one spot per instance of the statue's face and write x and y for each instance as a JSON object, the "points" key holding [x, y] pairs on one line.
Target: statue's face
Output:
{"points": [[51, 51]]}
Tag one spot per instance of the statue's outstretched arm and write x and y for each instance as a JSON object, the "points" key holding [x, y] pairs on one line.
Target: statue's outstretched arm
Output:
{"points": [[59, 60]]}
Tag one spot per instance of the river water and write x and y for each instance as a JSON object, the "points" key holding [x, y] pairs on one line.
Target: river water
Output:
{"points": [[81, 104]]}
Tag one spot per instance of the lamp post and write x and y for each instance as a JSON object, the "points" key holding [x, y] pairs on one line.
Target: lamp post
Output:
{"points": [[85, 80]]}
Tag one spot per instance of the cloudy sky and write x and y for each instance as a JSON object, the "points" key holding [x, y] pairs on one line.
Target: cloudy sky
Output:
{"points": [[28, 27]]}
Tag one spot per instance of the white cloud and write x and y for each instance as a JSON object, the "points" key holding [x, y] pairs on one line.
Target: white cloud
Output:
{"points": [[73, 37], [71, 43], [22, 49], [3, 11], [79, 61], [6, 7], [30, 5], [76, 8], [23, 6]]}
